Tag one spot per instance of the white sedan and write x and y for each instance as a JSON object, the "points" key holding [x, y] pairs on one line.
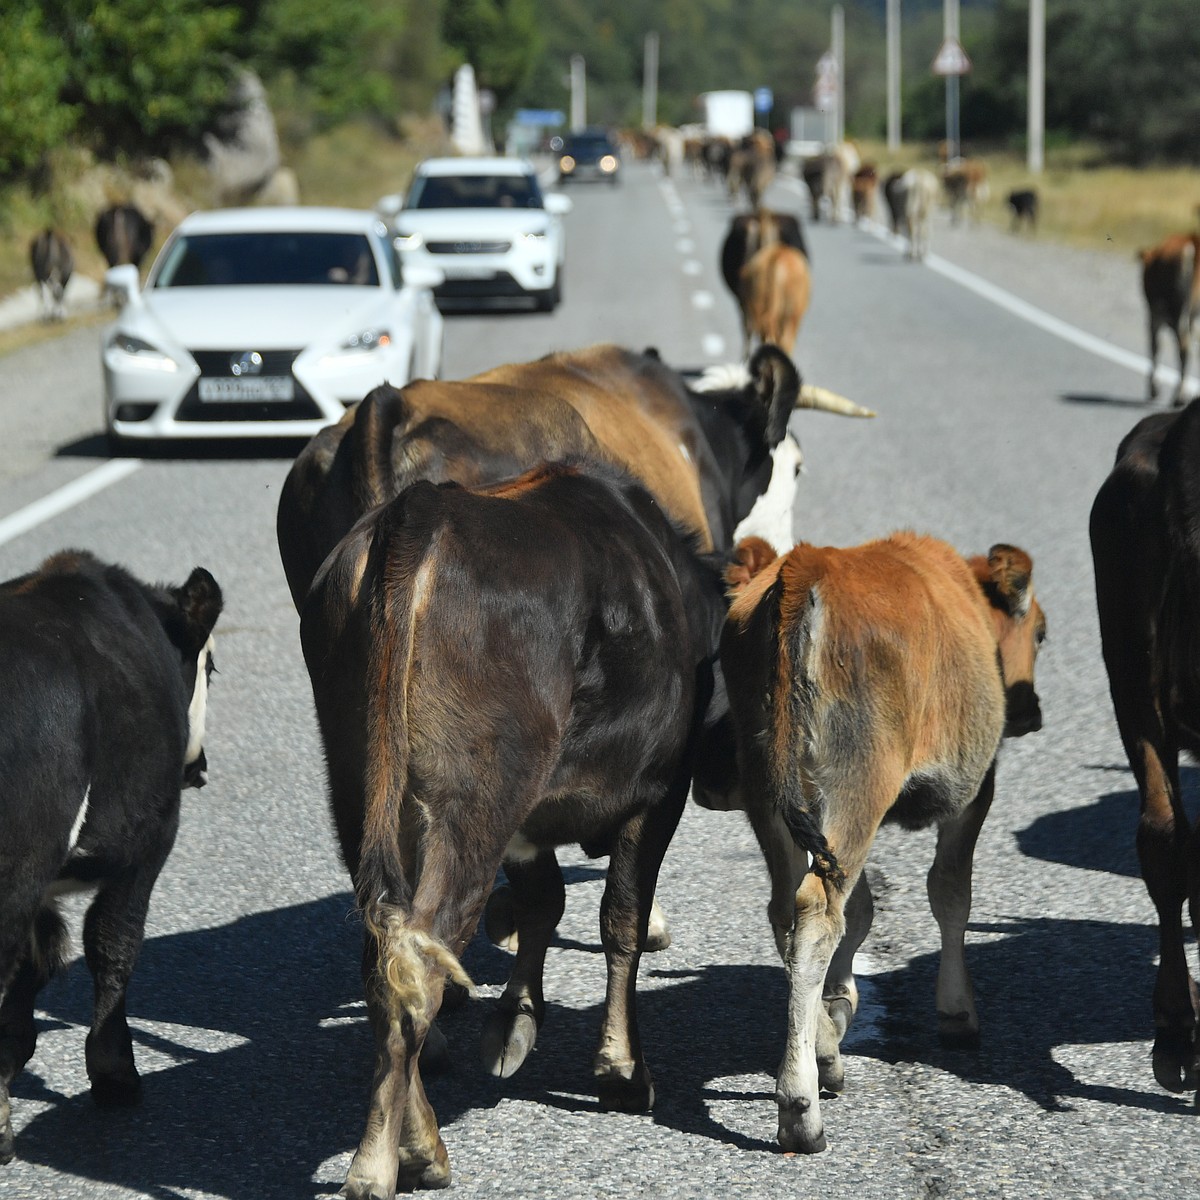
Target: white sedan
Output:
{"points": [[265, 322], [487, 226]]}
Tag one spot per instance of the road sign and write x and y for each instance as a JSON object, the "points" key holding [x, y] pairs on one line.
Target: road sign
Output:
{"points": [[763, 100], [951, 59]]}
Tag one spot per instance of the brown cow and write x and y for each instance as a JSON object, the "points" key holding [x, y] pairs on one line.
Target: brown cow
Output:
{"points": [[866, 685], [1171, 284], [52, 262], [966, 185], [752, 167], [774, 292], [862, 191]]}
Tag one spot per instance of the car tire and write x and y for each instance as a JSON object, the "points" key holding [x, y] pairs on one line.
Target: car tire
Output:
{"points": [[548, 300]]}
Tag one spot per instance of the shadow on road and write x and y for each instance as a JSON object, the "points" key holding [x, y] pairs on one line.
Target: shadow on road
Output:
{"points": [[1108, 401], [194, 449]]}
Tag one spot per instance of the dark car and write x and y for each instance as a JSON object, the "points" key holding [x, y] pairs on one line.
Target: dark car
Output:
{"points": [[591, 154]]}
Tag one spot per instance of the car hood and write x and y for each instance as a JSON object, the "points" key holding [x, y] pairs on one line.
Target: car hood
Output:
{"points": [[457, 224], [290, 317]]}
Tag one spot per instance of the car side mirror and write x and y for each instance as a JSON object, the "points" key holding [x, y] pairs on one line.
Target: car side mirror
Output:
{"points": [[557, 205], [124, 282], [418, 275]]}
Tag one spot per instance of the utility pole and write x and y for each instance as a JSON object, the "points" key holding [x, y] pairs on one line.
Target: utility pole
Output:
{"points": [[951, 32], [839, 57], [578, 93], [893, 75], [650, 82], [1037, 85]]}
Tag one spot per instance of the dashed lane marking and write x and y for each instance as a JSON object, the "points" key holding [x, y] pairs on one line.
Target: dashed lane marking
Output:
{"points": [[66, 497]]}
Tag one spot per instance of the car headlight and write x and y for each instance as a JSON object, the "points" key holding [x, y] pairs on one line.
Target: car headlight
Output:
{"points": [[366, 340], [409, 241], [608, 164], [566, 163], [534, 235], [142, 352]]}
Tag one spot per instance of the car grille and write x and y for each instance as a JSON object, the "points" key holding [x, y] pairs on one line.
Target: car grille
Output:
{"points": [[467, 247], [216, 364]]}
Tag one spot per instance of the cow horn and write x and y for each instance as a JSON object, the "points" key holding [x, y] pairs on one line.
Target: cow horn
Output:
{"points": [[812, 396]]}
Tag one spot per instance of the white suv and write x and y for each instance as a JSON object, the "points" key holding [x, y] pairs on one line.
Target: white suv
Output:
{"points": [[487, 226]]}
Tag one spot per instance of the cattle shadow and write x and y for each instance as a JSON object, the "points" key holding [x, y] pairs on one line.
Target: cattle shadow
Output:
{"points": [[96, 446], [1101, 835], [269, 1056], [1108, 400]]}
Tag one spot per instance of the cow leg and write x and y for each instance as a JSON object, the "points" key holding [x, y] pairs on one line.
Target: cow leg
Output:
{"points": [[840, 995], [112, 938], [1182, 338], [1162, 847], [1152, 383], [538, 898], [949, 886], [623, 1078]]}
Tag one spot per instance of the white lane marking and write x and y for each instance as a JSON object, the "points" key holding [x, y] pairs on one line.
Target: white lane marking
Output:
{"points": [[685, 246], [73, 493], [714, 345], [702, 299]]}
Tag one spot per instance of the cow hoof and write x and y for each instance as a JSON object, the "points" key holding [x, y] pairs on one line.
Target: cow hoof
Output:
{"points": [[623, 1093], [499, 919], [796, 1134], [831, 1073], [435, 1053], [957, 1032], [116, 1091], [358, 1189], [506, 1041], [419, 1172], [1174, 1061], [841, 1013]]}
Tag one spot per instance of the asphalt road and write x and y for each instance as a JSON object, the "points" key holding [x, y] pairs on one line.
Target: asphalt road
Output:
{"points": [[248, 1025]]}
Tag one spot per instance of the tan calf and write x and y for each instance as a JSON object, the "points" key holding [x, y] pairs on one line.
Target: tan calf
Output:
{"points": [[774, 294], [866, 685]]}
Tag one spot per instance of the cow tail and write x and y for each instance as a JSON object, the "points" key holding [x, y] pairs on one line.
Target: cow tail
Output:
{"points": [[1187, 281], [403, 568], [797, 794]]}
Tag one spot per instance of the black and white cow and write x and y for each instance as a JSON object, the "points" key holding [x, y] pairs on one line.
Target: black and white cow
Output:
{"points": [[105, 682], [53, 263]]}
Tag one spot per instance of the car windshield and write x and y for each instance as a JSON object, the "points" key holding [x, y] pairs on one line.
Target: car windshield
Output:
{"points": [[474, 191], [589, 146], [249, 259]]}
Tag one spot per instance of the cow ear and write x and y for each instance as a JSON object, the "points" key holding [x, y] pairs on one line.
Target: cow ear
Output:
{"points": [[775, 384], [1010, 573], [749, 558], [200, 603]]}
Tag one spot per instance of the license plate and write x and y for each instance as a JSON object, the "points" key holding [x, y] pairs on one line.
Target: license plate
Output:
{"points": [[230, 391]]}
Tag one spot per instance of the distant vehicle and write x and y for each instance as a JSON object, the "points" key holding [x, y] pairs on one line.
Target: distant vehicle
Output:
{"points": [[728, 114], [486, 225], [590, 154], [264, 322]]}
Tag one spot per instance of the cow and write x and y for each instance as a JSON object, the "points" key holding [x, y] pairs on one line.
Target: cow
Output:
{"points": [[862, 191], [1146, 556], [705, 454], [920, 189], [105, 683], [1171, 284], [894, 197], [966, 185], [774, 292], [866, 685], [841, 163], [52, 262], [750, 232], [812, 171], [499, 671], [1024, 205], [124, 234], [752, 167]]}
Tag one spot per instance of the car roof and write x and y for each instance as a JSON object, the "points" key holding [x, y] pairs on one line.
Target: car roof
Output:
{"points": [[494, 165], [293, 219]]}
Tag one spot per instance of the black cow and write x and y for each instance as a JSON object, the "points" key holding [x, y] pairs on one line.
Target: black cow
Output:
{"points": [[104, 681], [750, 232], [52, 262], [895, 196], [124, 234], [498, 672], [1145, 533], [1024, 205]]}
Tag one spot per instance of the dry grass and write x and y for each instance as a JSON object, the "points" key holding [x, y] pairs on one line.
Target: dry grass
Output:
{"points": [[1114, 209], [37, 332]]}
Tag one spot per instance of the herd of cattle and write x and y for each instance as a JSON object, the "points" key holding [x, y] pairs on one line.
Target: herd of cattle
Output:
{"points": [[540, 607]]}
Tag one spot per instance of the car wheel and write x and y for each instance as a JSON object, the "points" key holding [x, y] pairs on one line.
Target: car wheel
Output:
{"points": [[548, 300]]}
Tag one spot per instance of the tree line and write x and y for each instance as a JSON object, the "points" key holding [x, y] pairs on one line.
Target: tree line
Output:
{"points": [[150, 76]]}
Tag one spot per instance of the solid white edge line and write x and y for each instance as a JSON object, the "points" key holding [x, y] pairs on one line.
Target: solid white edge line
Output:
{"points": [[71, 494], [1026, 311]]}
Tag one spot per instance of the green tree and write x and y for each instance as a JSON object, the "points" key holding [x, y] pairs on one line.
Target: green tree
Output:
{"points": [[147, 75], [33, 72], [501, 39]]}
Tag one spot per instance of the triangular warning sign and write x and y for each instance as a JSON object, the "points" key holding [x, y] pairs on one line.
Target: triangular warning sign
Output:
{"points": [[951, 59]]}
